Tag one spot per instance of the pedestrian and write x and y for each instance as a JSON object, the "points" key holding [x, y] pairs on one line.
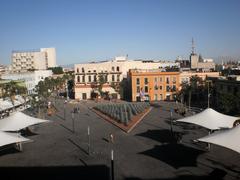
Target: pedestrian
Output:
{"points": [[111, 138]]}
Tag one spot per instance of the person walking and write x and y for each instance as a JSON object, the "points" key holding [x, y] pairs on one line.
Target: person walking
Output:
{"points": [[111, 138]]}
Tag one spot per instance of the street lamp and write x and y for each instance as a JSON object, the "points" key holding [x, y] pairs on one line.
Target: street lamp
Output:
{"points": [[73, 127], [208, 81], [65, 102]]}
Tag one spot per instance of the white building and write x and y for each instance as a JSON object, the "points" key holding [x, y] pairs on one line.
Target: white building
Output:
{"points": [[33, 59], [113, 71], [31, 78]]}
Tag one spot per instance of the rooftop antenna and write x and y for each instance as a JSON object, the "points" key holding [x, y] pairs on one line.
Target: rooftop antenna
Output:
{"points": [[193, 46]]}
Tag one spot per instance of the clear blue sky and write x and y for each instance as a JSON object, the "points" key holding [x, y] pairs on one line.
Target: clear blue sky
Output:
{"points": [[101, 29]]}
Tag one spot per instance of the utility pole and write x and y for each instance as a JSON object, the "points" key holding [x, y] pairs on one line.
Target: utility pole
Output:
{"points": [[88, 140], [73, 127], [171, 119], [112, 165], [208, 81]]}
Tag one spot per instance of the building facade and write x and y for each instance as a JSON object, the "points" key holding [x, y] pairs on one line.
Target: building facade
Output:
{"points": [[154, 85], [186, 75], [31, 79], [113, 71], [33, 59]]}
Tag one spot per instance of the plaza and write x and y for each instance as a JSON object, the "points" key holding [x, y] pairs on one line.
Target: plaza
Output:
{"points": [[149, 151]]}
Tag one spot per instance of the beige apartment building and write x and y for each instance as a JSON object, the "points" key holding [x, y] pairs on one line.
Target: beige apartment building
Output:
{"points": [[33, 59]]}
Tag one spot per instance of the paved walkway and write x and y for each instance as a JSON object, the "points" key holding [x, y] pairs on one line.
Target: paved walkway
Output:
{"points": [[148, 152]]}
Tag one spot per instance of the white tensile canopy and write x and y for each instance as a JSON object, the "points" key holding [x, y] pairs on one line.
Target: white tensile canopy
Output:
{"points": [[227, 138], [211, 119], [18, 121], [11, 138], [5, 105]]}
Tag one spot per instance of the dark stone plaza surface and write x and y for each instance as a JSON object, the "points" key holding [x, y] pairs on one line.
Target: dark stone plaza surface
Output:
{"points": [[149, 151]]}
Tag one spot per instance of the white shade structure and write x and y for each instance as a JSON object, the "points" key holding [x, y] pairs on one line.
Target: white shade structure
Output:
{"points": [[5, 104], [11, 138], [18, 121], [227, 138], [211, 119]]}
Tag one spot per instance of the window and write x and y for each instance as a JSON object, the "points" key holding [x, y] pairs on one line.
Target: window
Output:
{"points": [[174, 88], [168, 88], [138, 81], [160, 87], [138, 89], [89, 71], [155, 87], [83, 70], [112, 68], [155, 80], [95, 78], [155, 97], [167, 80], [78, 78], [83, 79], [118, 78], [146, 89], [94, 70], [145, 80], [160, 79], [106, 78], [174, 80], [89, 78], [113, 78], [160, 97], [117, 68], [77, 70]]}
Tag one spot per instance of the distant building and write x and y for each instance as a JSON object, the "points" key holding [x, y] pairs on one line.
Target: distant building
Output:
{"points": [[153, 85], [113, 71], [33, 59], [186, 75], [2, 69], [31, 79], [200, 64]]}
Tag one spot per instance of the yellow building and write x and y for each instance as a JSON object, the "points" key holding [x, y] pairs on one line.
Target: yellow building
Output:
{"points": [[153, 85]]}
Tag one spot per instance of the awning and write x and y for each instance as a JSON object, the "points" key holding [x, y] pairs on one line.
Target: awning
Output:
{"points": [[211, 119], [227, 138], [11, 138], [18, 121]]}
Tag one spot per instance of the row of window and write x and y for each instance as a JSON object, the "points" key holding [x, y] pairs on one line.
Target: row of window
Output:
{"points": [[95, 78], [113, 69], [168, 88], [158, 79]]}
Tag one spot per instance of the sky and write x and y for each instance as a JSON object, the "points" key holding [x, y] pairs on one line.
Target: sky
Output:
{"points": [[86, 30]]}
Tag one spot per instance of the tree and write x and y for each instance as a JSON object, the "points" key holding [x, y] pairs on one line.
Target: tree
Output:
{"points": [[101, 82], [56, 70]]}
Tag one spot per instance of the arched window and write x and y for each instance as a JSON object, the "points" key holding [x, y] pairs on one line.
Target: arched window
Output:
{"points": [[113, 78], [78, 78], [83, 70], [77, 70], [117, 68]]}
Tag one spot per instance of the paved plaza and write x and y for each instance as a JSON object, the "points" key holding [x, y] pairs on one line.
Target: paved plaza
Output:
{"points": [[149, 151]]}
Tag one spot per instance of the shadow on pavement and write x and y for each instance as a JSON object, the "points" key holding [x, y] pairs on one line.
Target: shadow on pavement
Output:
{"points": [[176, 155], [27, 132], [59, 172], [216, 174], [8, 149], [163, 135]]}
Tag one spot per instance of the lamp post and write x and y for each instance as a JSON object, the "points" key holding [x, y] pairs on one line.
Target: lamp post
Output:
{"points": [[112, 165], [208, 81], [73, 125], [88, 140], [64, 106]]}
